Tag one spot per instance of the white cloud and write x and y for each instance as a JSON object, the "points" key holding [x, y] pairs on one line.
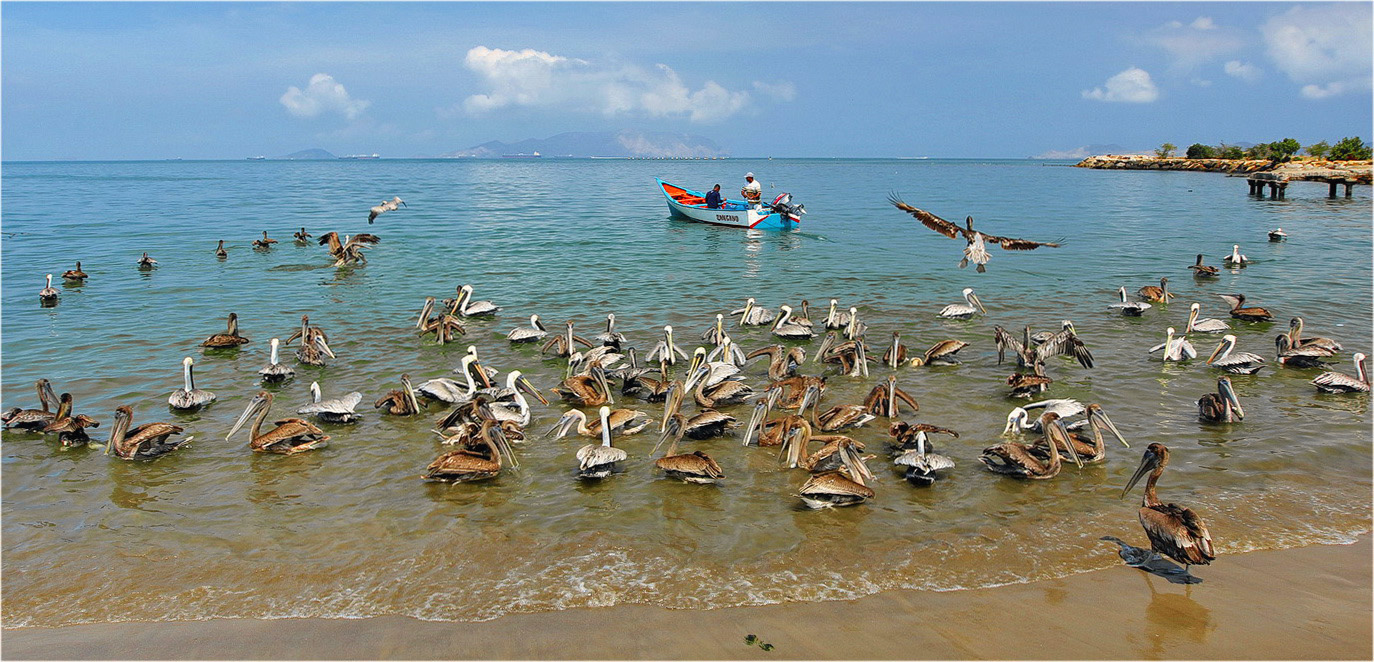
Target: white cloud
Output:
{"points": [[1325, 48], [322, 95], [1195, 43], [1130, 86], [536, 79], [1203, 23], [1242, 70]]}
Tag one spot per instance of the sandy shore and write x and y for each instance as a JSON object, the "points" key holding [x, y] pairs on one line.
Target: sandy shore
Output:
{"points": [[1308, 603]]}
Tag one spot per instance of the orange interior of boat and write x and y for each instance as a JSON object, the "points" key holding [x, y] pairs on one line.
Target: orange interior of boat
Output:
{"points": [[682, 196]]}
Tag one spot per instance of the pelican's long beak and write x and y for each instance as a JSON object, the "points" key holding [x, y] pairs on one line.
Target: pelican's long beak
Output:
{"points": [[1063, 434], [601, 379], [826, 344], [698, 358], [1228, 392], [248, 413], [978, 302], [1147, 464], [425, 312], [324, 347], [748, 305], [476, 366], [755, 421], [1100, 417], [560, 429], [525, 385], [410, 394], [671, 428], [1192, 317], [1216, 352], [671, 402], [117, 431]]}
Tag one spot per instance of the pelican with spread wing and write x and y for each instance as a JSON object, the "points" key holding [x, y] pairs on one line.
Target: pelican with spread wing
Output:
{"points": [[976, 251]]}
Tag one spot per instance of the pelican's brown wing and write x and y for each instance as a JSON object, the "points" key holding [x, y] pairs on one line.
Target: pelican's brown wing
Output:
{"points": [[928, 219], [1065, 342], [696, 463], [837, 484], [1178, 533], [1006, 341], [1011, 244]]}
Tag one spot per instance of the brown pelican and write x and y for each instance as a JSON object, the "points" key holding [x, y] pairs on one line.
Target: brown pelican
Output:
{"points": [[1300, 357], [290, 436], [1278, 235], [707, 424], [220, 251], [1156, 294], [1176, 348], [1222, 406], [752, 315], [400, 402], [723, 392], [265, 243], [35, 419], [610, 337], [839, 417], [1339, 382], [904, 434], [920, 465], [230, 337], [303, 331], [350, 251], [49, 293], [1020, 461], [313, 347], [597, 461], [587, 390], [895, 354], [839, 488], [1295, 335], [145, 263], [144, 442], [782, 361], [474, 308], [976, 251], [964, 310], [76, 275], [188, 396], [276, 371], [1239, 363], [829, 458], [442, 326], [793, 389], [1207, 325], [302, 236], [941, 353], [665, 349], [851, 355], [1174, 531], [836, 320], [333, 410], [1129, 308], [695, 467], [71, 430], [471, 464], [622, 422], [1240, 312], [562, 344], [635, 384], [1235, 259], [785, 328], [1201, 270], [1029, 385], [1089, 449], [885, 399], [383, 207]]}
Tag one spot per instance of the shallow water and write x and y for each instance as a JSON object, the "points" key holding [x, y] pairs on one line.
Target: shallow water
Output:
{"points": [[217, 531]]}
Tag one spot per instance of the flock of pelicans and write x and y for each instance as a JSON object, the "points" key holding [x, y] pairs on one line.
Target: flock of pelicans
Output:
{"points": [[486, 415]]}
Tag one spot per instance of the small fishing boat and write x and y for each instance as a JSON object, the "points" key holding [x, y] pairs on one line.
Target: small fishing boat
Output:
{"points": [[781, 214]]}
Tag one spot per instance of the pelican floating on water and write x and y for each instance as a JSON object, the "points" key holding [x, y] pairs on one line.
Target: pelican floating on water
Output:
{"points": [[1089, 449], [188, 396], [752, 315], [220, 251], [976, 251], [265, 243], [1201, 270], [964, 310], [920, 465], [587, 390], [1156, 294], [836, 320], [230, 337], [695, 467], [474, 308], [885, 399], [1174, 531], [49, 293], [400, 402], [145, 263], [1339, 382], [469, 464], [1129, 308], [610, 337], [333, 410], [1235, 259], [290, 436], [1176, 348], [1300, 357], [1239, 363], [350, 250], [1020, 460], [666, 350], [1241, 312], [598, 461], [1278, 234], [144, 442], [35, 419], [276, 371], [1222, 406], [70, 429], [447, 390], [839, 488], [1295, 326], [784, 327], [76, 275], [532, 333], [1206, 325], [302, 236]]}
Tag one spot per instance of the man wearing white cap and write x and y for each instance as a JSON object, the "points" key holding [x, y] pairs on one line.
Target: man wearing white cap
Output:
{"points": [[753, 190]]}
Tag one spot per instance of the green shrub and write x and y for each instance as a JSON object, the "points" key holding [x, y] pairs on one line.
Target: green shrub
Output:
{"points": [[1201, 151]]}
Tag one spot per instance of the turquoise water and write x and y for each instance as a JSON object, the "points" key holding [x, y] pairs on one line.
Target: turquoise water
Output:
{"points": [[216, 531]]}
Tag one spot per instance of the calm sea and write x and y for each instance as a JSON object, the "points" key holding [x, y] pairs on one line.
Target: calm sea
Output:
{"points": [[217, 531]]}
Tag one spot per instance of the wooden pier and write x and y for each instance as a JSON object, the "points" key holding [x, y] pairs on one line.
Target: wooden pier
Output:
{"points": [[1277, 181]]}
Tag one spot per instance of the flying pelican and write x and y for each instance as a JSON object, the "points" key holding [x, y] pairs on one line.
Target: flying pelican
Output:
{"points": [[1339, 382], [1207, 325], [695, 467], [665, 349], [144, 442], [1090, 449], [836, 320], [468, 464], [1201, 270], [976, 251], [1235, 259], [400, 402], [290, 436], [35, 419], [475, 308], [610, 337], [1174, 531], [1156, 294], [920, 465], [384, 207], [587, 390], [333, 410], [265, 243], [885, 399], [230, 337], [1018, 460], [220, 251], [964, 310], [76, 275], [1295, 335], [145, 263], [1129, 308], [188, 396], [276, 371], [1240, 363], [1300, 357], [595, 461], [1222, 406], [941, 353], [1278, 235], [1176, 348], [752, 315], [302, 237], [1240, 312], [49, 293]]}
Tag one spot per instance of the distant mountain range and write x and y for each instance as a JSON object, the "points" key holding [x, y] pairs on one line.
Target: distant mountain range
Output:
{"points": [[624, 143], [308, 155]]}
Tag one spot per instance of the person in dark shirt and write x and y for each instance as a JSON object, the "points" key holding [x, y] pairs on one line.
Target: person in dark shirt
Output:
{"points": [[713, 198]]}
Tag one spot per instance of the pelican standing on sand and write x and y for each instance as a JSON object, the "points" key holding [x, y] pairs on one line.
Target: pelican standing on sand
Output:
{"points": [[1222, 406], [1339, 382], [598, 461], [333, 410], [144, 442], [290, 436], [1174, 531], [964, 310], [188, 396], [49, 293]]}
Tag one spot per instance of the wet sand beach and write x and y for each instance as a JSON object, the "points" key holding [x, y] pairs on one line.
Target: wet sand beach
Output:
{"points": [[1304, 603]]}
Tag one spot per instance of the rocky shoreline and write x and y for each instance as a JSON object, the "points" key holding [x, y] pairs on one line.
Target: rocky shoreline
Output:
{"points": [[1359, 172]]}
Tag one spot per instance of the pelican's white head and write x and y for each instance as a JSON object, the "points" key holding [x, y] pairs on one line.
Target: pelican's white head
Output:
{"points": [[1015, 419], [968, 291]]}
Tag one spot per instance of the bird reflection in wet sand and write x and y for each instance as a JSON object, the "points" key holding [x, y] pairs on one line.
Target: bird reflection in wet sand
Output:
{"points": [[1172, 619]]}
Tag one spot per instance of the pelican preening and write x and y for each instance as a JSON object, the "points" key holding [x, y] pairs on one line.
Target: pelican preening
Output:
{"points": [[188, 396], [350, 250], [1238, 363], [1278, 234], [839, 488], [400, 402], [276, 371], [144, 442], [964, 310], [1241, 312], [77, 276], [598, 461], [145, 263], [1301, 357], [587, 390], [1129, 308], [1019, 419], [610, 337], [333, 410], [1156, 294], [265, 243], [784, 327], [1235, 259], [885, 399], [290, 436], [1207, 325], [220, 251], [782, 361], [1339, 382], [1201, 270], [941, 353], [383, 207], [664, 350], [921, 466], [70, 429], [35, 419], [1025, 385], [851, 355], [1295, 326], [1021, 461], [442, 326], [752, 315], [836, 320], [1176, 348], [302, 237], [532, 333], [1174, 531], [1222, 406], [49, 293], [230, 337], [976, 251]]}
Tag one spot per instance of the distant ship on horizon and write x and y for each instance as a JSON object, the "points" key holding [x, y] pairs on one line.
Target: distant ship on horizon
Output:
{"points": [[523, 155], [358, 157]]}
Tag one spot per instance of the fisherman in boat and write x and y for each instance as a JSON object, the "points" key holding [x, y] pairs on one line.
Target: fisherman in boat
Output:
{"points": [[713, 200], [753, 190]]}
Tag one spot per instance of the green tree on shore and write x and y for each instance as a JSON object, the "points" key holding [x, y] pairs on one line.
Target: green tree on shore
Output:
{"points": [[1230, 152], [1201, 151], [1350, 149], [1166, 150], [1283, 150], [1318, 149]]}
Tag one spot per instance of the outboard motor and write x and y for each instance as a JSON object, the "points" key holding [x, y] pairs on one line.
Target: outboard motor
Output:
{"points": [[783, 205]]}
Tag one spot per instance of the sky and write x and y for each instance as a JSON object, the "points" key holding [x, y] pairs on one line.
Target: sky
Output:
{"points": [[948, 79]]}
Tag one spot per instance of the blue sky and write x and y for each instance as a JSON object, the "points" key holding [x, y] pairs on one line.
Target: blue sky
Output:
{"points": [[228, 80]]}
